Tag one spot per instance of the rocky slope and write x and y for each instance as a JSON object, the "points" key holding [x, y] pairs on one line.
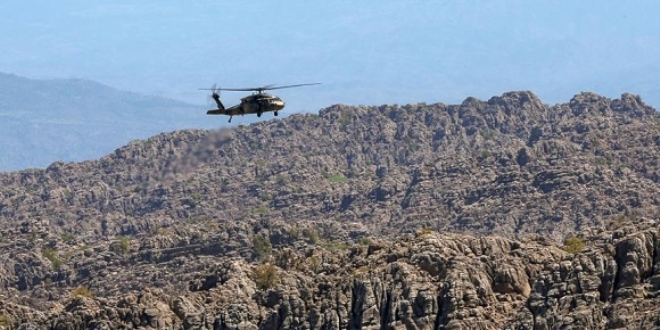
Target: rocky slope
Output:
{"points": [[415, 216], [430, 281]]}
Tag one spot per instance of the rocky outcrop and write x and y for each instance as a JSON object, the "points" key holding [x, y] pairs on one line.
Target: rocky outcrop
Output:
{"points": [[432, 281], [510, 166], [416, 216]]}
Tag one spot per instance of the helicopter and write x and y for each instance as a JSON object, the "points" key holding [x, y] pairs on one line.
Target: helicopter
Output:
{"points": [[259, 102]]}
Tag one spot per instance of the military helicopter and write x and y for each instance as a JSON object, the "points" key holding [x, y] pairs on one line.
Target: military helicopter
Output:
{"points": [[259, 102]]}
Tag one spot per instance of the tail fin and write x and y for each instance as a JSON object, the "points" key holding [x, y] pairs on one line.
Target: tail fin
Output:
{"points": [[216, 97]]}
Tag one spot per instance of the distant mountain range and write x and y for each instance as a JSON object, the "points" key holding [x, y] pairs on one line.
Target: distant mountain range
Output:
{"points": [[43, 121]]}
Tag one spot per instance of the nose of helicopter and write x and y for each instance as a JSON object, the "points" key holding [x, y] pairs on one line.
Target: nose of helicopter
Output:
{"points": [[278, 104]]}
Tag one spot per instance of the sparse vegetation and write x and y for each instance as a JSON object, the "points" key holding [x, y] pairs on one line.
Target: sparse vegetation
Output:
{"points": [[259, 210], [364, 241], [336, 246], [281, 179], [121, 246], [160, 230], [311, 235], [266, 196], [573, 245], [423, 231], [294, 232], [81, 291], [68, 238], [315, 262], [265, 276], [619, 221], [335, 178], [262, 247], [53, 257], [487, 134], [5, 321], [287, 259]]}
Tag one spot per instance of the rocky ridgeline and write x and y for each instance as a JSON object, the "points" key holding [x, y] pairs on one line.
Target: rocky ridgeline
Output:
{"points": [[415, 216], [429, 281]]}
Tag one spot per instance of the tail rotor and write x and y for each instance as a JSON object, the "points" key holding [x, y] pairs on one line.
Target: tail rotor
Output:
{"points": [[215, 95]]}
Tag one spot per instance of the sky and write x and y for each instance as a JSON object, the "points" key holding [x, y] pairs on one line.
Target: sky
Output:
{"points": [[363, 52]]}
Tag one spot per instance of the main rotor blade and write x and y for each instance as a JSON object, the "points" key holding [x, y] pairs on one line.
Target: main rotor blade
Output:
{"points": [[258, 89], [270, 87]]}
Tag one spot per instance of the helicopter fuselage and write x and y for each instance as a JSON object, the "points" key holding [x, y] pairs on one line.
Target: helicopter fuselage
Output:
{"points": [[253, 104], [257, 103]]}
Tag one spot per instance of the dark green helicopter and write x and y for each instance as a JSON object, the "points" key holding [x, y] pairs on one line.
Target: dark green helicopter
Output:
{"points": [[257, 103]]}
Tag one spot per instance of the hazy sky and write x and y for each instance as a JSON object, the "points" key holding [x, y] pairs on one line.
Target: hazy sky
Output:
{"points": [[364, 52]]}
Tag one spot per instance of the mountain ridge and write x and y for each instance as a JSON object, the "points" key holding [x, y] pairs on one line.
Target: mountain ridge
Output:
{"points": [[513, 147], [420, 215]]}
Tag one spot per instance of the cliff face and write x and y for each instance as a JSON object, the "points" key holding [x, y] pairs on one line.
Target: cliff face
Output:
{"points": [[419, 216], [432, 281]]}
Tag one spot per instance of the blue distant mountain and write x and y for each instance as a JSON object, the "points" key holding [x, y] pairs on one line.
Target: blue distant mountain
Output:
{"points": [[43, 121]]}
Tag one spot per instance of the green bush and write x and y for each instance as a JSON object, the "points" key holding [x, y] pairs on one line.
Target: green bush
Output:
{"points": [[68, 238], [262, 247], [337, 178], [121, 246], [365, 241], [573, 245], [265, 276], [53, 257]]}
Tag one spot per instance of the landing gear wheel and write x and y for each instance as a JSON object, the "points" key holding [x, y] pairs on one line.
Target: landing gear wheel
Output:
{"points": [[258, 114], [275, 113]]}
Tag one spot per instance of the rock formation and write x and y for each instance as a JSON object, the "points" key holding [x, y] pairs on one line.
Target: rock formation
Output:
{"points": [[389, 217]]}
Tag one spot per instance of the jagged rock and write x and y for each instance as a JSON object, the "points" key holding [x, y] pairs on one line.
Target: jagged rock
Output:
{"points": [[344, 211]]}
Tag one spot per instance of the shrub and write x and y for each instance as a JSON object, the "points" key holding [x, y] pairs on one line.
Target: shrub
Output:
{"points": [[265, 276], [311, 235], [262, 247], [337, 246], [53, 257], [68, 238], [81, 291], [573, 245], [122, 246], [365, 241], [5, 321], [266, 197], [315, 262], [337, 178], [259, 210], [281, 179], [423, 231]]}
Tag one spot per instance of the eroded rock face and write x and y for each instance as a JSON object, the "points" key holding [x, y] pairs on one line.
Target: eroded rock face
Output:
{"points": [[412, 217], [428, 282], [510, 166]]}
